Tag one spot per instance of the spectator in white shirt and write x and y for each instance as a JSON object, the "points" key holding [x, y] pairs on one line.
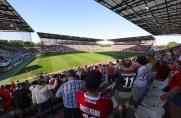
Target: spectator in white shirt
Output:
{"points": [[140, 84], [41, 95], [33, 84]]}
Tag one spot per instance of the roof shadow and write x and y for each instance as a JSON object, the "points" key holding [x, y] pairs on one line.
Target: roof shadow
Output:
{"points": [[47, 54], [28, 69], [118, 54]]}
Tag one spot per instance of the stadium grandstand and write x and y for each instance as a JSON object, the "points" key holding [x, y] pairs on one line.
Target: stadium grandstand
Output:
{"points": [[12, 55], [140, 44], [72, 79], [64, 43]]}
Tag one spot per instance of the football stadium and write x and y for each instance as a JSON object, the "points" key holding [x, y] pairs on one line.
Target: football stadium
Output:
{"points": [[75, 76]]}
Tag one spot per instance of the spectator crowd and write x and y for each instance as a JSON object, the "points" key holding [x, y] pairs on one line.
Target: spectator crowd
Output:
{"points": [[69, 48], [11, 56], [56, 47], [99, 91]]}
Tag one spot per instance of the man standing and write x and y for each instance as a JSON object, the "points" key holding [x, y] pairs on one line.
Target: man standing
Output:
{"points": [[124, 77], [90, 103], [42, 95], [22, 98], [68, 92]]}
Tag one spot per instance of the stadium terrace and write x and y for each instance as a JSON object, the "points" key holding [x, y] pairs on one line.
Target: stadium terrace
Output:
{"points": [[77, 77]]}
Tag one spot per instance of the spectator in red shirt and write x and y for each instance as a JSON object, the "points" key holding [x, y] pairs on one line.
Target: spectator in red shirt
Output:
{"points": [[6, 97], [12, 85], [174, 89], [90, 103], [162, 71], [52, 81]]}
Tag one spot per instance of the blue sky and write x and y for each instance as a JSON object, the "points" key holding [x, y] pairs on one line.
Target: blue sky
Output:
{"points": [[84, 18]]}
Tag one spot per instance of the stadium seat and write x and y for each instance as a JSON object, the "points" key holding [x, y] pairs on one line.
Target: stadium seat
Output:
{"points": [[155, 93], [160, 84], [153, 104], [143, 112]]}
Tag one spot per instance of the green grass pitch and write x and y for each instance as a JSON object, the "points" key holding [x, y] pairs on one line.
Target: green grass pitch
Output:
{"points": [[52, 62]]}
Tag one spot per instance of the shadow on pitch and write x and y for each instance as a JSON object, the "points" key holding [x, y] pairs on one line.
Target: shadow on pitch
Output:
{"points": [[28, 69], [60, 53], [117, 54]]}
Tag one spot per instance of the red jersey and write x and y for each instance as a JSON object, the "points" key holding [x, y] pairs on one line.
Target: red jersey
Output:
{"points": [[110, 71], [175, 81], [162, 72], [94, 107], [6, 96], [52, 81], [12, 86]]}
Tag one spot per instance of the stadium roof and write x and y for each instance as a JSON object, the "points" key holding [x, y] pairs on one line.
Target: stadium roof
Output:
{"points": [[140, 38], [155, 16], [66, 37], [10, 20]]}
